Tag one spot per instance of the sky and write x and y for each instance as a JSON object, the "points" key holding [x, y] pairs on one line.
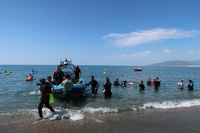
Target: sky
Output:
{"points": [[99, 32]]}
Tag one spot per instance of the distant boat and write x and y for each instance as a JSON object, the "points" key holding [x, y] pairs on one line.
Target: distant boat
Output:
{"points": [[138, 69]]}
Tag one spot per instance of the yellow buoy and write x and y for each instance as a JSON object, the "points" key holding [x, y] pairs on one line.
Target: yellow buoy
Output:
{"points": [[104, 72]]}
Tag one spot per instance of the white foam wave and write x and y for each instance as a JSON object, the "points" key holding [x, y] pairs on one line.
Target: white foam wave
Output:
{"points": [[71, 114], [99, 110], [171, 104], [34, 92]]}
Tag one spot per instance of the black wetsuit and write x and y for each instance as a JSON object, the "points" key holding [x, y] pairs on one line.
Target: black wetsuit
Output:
{"points": [[107, 87], [116, 83], [77, 71], [94, 84], [159, 82], [190, 86], [142, 87], [149, 82], [156, 85], [45, 90], [55, 76], [60, 75]]}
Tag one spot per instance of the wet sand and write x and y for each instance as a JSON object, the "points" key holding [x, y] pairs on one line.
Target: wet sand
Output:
{"points": [[184, 120]]}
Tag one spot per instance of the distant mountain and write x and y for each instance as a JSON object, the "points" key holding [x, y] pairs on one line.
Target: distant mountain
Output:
{"points": [[177, 63]]}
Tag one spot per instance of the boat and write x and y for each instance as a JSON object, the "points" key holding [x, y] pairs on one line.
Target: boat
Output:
{"points": [[138, 69], [6, 73], [29, 79], [67, 67]]}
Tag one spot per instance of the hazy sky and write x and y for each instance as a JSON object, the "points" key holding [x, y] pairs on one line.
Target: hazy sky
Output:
{"points": [[99, 32]]}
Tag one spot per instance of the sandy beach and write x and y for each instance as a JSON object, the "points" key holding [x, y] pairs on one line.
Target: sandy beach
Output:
{"points": [[183, 120]]}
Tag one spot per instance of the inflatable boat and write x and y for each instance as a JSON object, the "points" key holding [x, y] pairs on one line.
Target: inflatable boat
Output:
{"points": [[138, 69], [76, 87], [6, 73], [67, 68], [29, 79]]}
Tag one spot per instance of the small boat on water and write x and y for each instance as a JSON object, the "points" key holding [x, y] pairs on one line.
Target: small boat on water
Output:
{"points": [[67, 67], [6, 73], [29, 79], [138, 69]]}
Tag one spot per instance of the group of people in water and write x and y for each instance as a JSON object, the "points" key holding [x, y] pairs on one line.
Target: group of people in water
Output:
{"points": [[47, 89], [155, 83]]}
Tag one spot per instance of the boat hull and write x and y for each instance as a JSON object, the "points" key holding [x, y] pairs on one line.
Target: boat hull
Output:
{"points": [[138, 70], [76, 87]]}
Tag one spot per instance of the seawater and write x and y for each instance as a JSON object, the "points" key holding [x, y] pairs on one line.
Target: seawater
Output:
{"points": [[19, 96]]}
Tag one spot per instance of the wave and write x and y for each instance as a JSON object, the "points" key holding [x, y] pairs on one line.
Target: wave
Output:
{"points": [[171, 104], [78, 114]]}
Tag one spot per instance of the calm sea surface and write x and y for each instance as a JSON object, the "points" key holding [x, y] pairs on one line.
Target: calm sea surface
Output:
{"points": [[19, 96]]}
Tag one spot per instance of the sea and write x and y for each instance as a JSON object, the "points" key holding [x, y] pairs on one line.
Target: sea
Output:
{"points": [[20, 97]]}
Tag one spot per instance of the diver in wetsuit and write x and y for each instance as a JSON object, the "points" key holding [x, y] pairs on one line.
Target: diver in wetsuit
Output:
{"points": [[158, 80], [45, 91], [77, 72], [190, 85], [142, 87], [107, 88], [116, 82], [60, 75], [156, 83], [94, 85], [149, 81]]}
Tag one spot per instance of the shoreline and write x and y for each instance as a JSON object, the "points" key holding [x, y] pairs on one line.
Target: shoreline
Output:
{"points": [[148, 120]]}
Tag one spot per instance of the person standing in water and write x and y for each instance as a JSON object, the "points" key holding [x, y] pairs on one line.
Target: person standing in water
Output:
{"points": [[67, 90], [142, 87], [45, 91], [77, 72], [124, 82], [107, 88], [149, 81], [60, 76], [158, 80], [180, 84], [190, 85], [155, 84], [94, 86], [116, 82]]}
